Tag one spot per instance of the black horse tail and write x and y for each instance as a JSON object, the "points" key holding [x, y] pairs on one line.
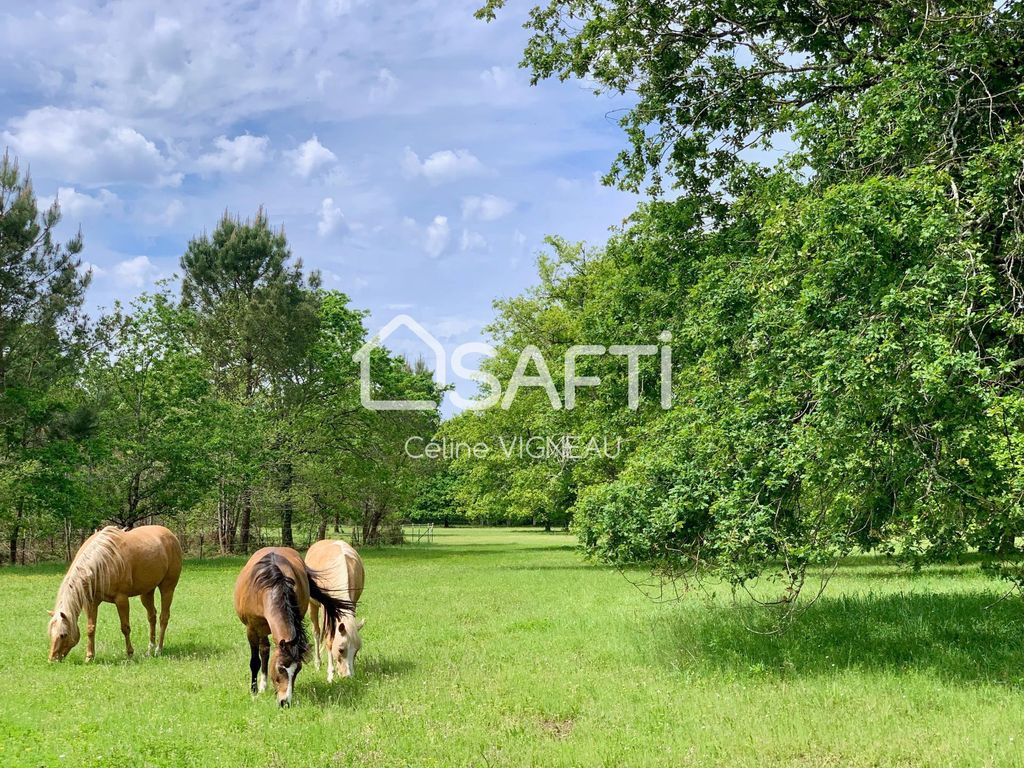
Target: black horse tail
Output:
{"points": [[334, 606]]}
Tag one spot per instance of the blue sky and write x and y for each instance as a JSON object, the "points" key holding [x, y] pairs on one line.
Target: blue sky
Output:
{"points": [[399, 144]]}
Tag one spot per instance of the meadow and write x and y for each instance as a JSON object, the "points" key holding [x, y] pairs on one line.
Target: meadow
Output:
{"points": [[504, 647]]}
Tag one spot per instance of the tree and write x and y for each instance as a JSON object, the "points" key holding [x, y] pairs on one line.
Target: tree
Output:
{"points": [[156, 412], [42, 331], [867, 88], [847, 326], [256, 316], [382, 479]]}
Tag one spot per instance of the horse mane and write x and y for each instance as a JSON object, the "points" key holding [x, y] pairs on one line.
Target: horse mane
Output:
{"points": [[96, 567], [334, 607], [267, 575]]}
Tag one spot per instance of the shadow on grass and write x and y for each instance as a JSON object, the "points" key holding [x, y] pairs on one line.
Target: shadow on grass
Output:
{"points": [[433, 551], [580, 566], [873, 559], [960, 637], [185, 650], [346, 692], [193, 649]]}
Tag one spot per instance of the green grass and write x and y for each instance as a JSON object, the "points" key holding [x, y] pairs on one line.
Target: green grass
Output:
{"points": [[494, 647]]}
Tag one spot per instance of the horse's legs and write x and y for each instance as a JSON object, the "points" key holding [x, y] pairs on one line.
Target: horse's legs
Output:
{"points": [[166, 596], [254, 658], [329, 638], [91, 609], [121, 601], [314, 617], [264, 660], [147, 603]]}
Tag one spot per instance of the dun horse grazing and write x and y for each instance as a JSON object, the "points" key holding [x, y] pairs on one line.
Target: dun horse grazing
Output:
{"points": [[110, 567], [343, 574], [271, 596]]}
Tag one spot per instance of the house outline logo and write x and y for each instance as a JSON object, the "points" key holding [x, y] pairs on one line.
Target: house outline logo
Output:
{"points": [[362, 356]]}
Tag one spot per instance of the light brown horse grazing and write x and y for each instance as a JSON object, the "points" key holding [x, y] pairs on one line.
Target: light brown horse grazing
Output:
{"points": [[271, 596], [111, 566], [343, 574]]}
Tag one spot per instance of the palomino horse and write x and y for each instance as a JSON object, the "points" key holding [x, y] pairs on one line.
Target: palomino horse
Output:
{"points": [[342, 569], [111, 566], [271, 596]]}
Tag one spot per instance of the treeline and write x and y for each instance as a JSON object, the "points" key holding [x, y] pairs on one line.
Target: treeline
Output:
{"points": [[847, 324], [230, 411]]}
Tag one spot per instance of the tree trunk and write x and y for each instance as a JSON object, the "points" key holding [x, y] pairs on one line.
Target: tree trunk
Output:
{"points": [[246, 526], [373, 514], [223, 520], [133, 501], [15, 530], [1007, 542], [286, 505], [245, 532]]}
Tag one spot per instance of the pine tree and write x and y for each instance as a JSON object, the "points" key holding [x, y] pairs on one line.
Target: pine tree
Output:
{"points": [[42, 330]]}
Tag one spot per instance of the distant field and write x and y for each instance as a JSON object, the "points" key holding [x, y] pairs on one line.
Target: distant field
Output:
{"points": [[498, 647]]}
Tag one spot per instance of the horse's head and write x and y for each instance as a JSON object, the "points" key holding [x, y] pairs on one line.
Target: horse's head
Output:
{"points": [[64, 635], [285, 663], [346, 645]]}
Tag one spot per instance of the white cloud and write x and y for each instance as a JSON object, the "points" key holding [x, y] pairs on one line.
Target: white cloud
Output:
{"points": [[75, 205], [86, 267], [472, 241], [237, 155], [331, 218], [170, 180], [135, 273], [385, 87], [87, 146], [436, 236], [129, 96], [486, 207], [442, 166], [450, 327], [322, 76], [170, 215], [498, 77], [310, 156]]}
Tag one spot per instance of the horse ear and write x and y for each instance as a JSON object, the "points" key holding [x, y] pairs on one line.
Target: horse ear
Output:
{"points": [[361, 624], [50, 612]]}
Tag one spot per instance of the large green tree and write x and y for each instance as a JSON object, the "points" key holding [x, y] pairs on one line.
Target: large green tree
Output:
{"points": [[256, 317], [847, 325], [156, 412], [42, 331]]}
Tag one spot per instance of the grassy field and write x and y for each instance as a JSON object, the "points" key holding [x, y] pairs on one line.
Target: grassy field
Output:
{"points": [[494, 647]]}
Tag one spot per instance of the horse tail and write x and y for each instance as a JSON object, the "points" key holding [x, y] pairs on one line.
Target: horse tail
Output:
{"points": [[334, 606]]}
